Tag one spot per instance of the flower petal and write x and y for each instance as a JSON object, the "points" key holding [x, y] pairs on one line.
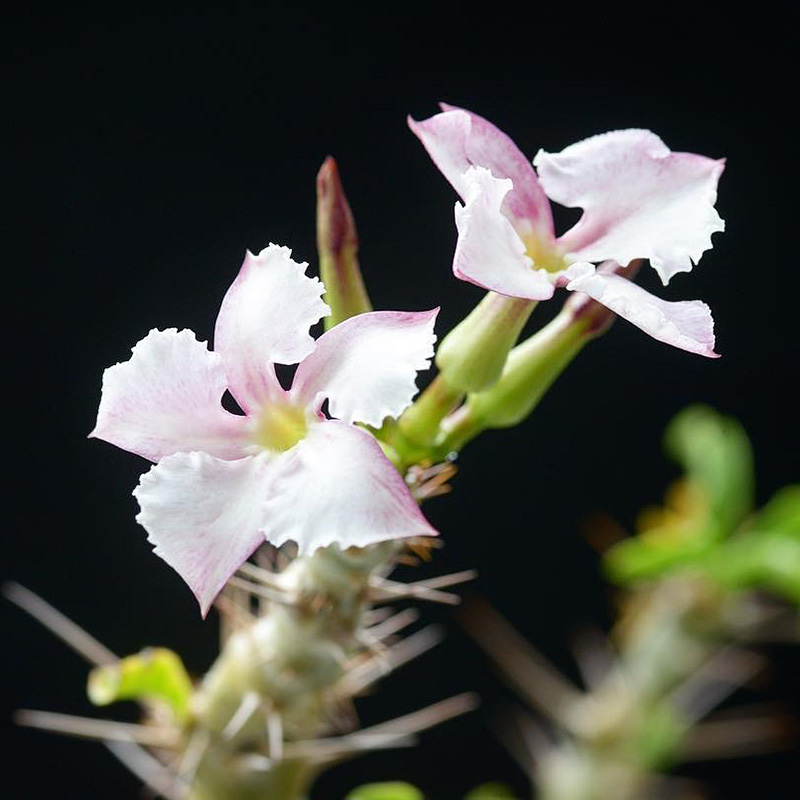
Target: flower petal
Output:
{"points": [[337, 486], [367, 365], [458, 139], [264, 320], [167, 398], [686, 324], [639, 199], [489, 252], [204, 516]]}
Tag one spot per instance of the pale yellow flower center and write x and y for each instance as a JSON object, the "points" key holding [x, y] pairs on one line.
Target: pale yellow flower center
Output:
{"points": [[543, 254], [280, 426]]}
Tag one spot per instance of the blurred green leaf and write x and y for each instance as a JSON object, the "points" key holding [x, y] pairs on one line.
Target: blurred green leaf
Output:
{"points": [[757, 559], [154, 674], [767, 553], [708, 505], [394, 790], [636, 559], [715, 453], [782, 512], [491, 791]]}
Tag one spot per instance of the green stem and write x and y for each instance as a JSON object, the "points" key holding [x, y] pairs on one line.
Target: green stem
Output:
{"points": [[419, 425], [530, 370]]}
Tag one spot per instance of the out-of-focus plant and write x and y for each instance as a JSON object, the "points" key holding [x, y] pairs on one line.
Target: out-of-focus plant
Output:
{"points": [[705, 578]]}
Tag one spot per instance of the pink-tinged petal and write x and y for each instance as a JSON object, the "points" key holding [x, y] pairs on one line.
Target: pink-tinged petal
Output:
{"points": [[458, 139], [639, 200], [167, 399], [204, 516], [489, 252], [686, 324], [367, 365], [337, 487], [264, 320]]}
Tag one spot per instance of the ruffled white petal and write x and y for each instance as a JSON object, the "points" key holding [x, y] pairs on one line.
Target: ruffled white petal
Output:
{"points": [[686, 324], [640, 200], [489, 252], [457, 139], [204, 516], [337, 486], [167, 398], [264, 320], [367, 365]]}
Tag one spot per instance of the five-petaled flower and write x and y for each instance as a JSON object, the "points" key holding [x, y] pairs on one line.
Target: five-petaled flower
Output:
{"points": [[285, 470], [639, 200]]}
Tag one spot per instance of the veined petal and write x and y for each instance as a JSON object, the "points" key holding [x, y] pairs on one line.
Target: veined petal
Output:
{"points": [[204, 516], [367, 365], [337, 486], [264, 320], [167, 398], [686, 324], [489, 252], [457, 139], [639, 199]]}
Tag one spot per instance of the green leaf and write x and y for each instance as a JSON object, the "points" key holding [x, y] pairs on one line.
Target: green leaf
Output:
{"points": [[716, 455], [394, 790], [491, 791], [154, 674]]}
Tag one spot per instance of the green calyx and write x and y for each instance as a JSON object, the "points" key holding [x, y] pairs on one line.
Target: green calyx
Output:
{"points": [[471, 357]]}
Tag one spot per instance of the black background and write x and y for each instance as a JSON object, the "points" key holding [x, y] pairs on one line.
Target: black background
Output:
{"points": [[147, 151]]}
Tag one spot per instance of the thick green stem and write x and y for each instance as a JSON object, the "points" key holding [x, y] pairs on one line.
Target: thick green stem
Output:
{"points": [[277, 679], [226, 777]]}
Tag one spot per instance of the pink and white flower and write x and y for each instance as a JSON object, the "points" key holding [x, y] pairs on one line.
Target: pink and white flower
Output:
{"points": [[224, 483], [639, 200]]}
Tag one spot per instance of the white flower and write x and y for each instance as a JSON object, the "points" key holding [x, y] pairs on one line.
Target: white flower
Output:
{"points": [[223, 483]]}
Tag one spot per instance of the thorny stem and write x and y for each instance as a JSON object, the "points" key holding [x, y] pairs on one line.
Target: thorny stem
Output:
{"points": [[289, 678], [270, 713], [286, 665]]}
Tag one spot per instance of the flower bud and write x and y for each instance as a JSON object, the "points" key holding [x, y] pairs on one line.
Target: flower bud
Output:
{"points": [[337, 244]]}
